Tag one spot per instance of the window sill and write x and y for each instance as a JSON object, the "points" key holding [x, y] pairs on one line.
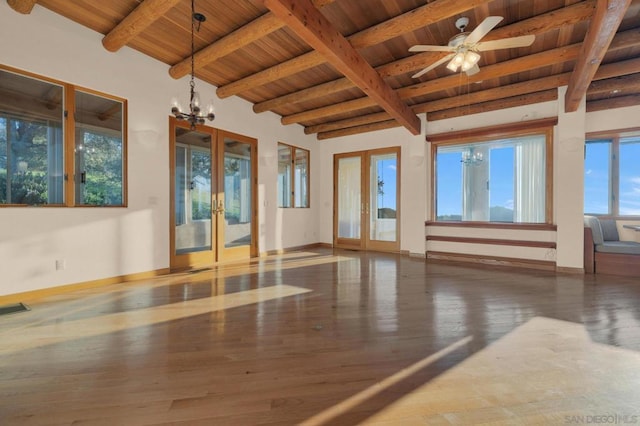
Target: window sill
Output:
{"points": [[495, 225]]}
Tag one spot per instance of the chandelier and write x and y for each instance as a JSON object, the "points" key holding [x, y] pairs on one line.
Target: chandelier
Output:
{"points": [[470, 157], [194, 116]]}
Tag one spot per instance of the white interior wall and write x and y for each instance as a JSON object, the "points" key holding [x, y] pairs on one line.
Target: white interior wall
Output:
{"points": [[98, 243], [568, 182]]}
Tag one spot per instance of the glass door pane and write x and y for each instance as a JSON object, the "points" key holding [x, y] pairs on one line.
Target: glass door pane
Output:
{"points": [[193, 173], [366, 199], [383, 198], [237, 193], [349, 187]]}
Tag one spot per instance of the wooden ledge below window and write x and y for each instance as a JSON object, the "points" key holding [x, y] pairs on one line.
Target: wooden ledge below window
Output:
{"points": [[496, 225]]}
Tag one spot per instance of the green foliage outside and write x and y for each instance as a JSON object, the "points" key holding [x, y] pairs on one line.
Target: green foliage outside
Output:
{"points": [[25, 149], [103, 167], [201, 185], [26, 188]]}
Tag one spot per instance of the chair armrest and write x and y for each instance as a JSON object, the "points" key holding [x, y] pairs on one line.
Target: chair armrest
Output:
{"points": [[589, 257]]}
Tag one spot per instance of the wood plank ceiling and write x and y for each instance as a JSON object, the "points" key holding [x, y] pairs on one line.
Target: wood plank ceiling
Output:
{"points": [[340, 67]]}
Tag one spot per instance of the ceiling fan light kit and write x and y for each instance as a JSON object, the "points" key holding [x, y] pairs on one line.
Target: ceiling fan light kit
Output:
{"points": [[464, 46]]}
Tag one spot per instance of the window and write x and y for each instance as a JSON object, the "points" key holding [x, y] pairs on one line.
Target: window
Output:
{"points": [[293, 176], [36, 132], [98, 148], [612, 175], [496, 179]]}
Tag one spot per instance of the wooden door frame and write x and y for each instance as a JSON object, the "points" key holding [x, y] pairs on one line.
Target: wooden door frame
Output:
{"points": [[349, 243], [365, 242], [200, 258], [376, 245], [218, 252]]}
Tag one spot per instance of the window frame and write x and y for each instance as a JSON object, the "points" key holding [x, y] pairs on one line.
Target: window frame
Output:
{"points": [[292, 179], [69, 142], [614, 171], [487, 134]]}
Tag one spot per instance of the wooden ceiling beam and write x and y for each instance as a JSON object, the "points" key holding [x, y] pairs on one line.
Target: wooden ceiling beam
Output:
{"points": [[387, 70], [407, 22], [243, 36], [615, 85], [349, 122], [22, 6], [622, 40], [617, 69], [612, 103], [537, 25], [526, 63], [602, 29], [608, 71], [109, 113], [512, 102], [145, 14], [308, 23], [390, 124], [497, 95]]}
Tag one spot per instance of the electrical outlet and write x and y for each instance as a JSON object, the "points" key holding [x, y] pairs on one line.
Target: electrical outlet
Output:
{"points": [[61, 264]]}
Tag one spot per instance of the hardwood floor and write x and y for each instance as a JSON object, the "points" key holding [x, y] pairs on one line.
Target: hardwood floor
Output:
{"points": [[333, 338]]}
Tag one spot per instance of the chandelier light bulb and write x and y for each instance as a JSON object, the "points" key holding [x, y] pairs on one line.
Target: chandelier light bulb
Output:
{"points": [[196, 100]]}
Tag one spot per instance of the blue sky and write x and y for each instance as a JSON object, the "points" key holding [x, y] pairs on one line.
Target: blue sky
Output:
{"points": [[597, 179], [450, 180], [387, 171], [449, 183]]}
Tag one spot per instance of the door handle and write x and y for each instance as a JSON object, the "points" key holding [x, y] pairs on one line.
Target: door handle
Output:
{"points": [[220, 207]]}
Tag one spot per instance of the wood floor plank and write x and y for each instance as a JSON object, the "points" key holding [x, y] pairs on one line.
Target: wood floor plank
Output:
{"points": [[322, 338]]}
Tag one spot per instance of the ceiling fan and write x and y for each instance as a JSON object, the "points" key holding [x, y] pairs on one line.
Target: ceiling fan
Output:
{"points": [[464, 46]]}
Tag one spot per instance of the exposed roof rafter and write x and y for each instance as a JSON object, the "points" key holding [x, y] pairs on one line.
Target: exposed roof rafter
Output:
{"points": [[603, 27], [407, 22], [22, 6], [309, 24], [247, 34], [134, 23]]}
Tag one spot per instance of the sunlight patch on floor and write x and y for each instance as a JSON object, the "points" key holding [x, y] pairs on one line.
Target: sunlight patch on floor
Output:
{"points": [[544, 372], [330, 414], [28, 338]]}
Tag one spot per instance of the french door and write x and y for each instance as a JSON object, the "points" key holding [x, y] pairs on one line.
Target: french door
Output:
{"points": [[213, 196], [367, 200]]}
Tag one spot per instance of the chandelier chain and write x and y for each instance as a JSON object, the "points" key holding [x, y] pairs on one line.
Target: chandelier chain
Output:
{"points": [[193, 116]]}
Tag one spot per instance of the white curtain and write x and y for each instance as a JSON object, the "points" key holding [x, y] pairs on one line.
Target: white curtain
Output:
{"points": [[529, 201], [349, 185], [245, 190]]}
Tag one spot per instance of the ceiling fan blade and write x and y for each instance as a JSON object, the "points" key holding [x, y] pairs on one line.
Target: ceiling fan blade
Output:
{"points": [[429, 48], [482, 30], [506, 43], [432, 66], [473, 70]]}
